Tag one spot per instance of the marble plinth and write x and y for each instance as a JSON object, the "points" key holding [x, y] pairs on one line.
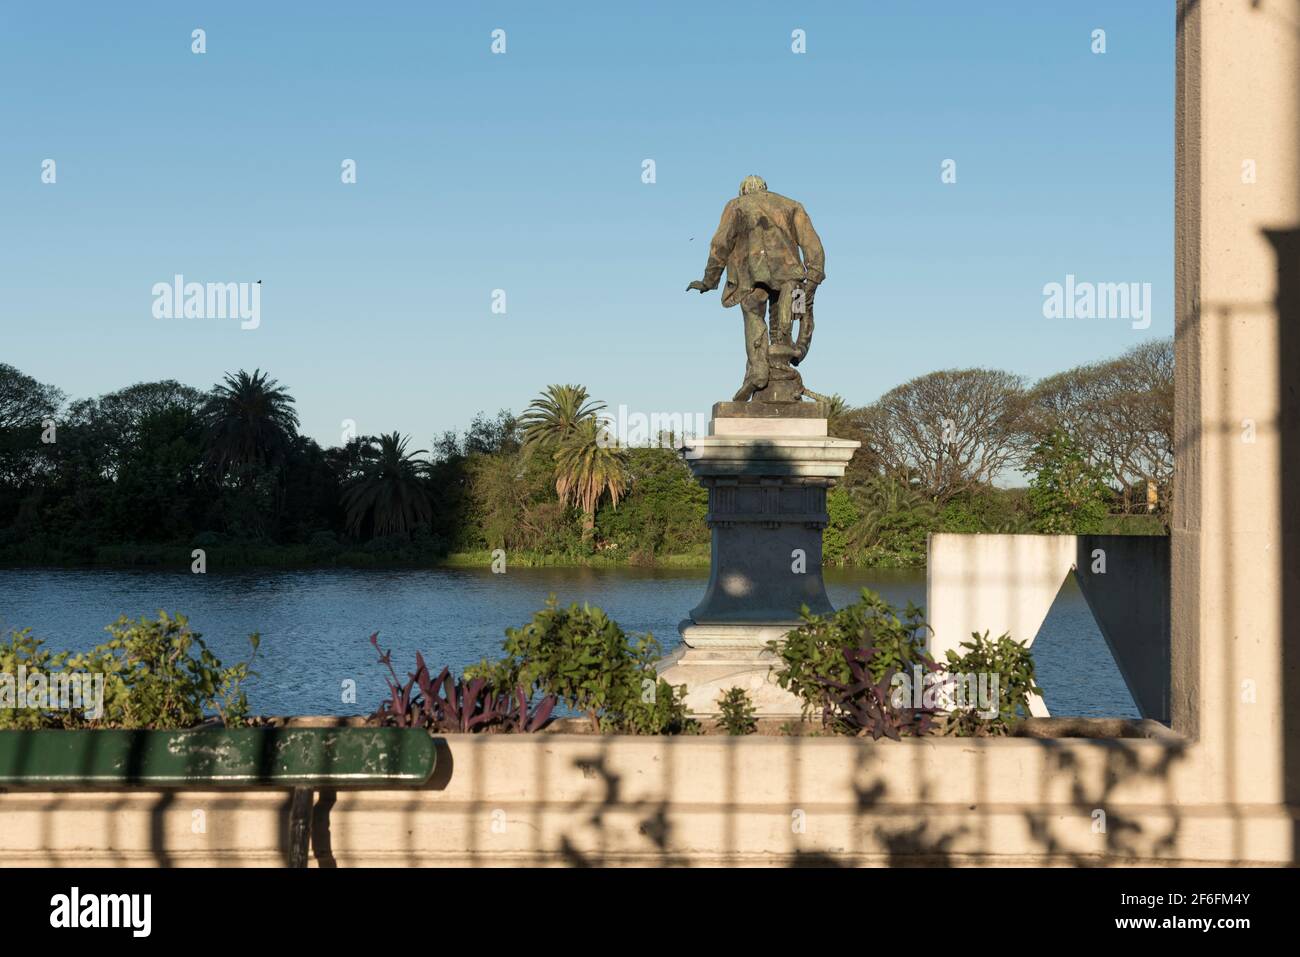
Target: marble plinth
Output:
{"points": [[767, 476]]}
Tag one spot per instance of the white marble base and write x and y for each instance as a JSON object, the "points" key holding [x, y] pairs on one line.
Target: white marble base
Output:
{"points": [[716, 658], [768, 428]]}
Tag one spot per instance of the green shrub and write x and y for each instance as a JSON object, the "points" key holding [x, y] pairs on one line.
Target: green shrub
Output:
{"points": [[323, 541], [663, 511], [736, 712], [892, 524], [26, 652], [584, 658], [837, 665], [871, 705], [1013, 664], [984, 509], [157, 674], [814, 651]]}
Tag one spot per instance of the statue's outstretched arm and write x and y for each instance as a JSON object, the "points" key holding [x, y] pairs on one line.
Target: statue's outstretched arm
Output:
{"points": [[720, 247]]}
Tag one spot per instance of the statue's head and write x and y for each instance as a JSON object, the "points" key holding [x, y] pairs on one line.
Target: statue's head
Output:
{"points": [[753, 184]]}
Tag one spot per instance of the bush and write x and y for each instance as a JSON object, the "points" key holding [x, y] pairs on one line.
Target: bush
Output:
{"points": [[152, 678], [663, 512], [891, 526], [583, 658], [736, 712], [842, 515], [1013, 665], [324, 541], [847, 667], [985, 509], [26, 652], [868, 703], [814, 652], [388, 545]]}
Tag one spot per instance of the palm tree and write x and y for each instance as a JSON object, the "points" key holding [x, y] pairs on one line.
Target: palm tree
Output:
{"points": [[388, 488], [587, 467], [556, 415], [834, 410], [250, 421], [885, 506]]}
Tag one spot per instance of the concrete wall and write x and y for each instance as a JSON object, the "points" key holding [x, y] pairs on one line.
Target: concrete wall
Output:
{"points": [[1125, 581], [568, 799], [1002, 584], [1007, 584]]}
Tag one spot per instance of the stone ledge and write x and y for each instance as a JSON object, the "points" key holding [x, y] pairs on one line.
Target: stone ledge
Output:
{"points": [[747, 456]]}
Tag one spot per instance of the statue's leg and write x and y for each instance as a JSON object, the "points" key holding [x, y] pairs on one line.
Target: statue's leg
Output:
{"points": [[754, 307], [782, 317], [784, 383]]}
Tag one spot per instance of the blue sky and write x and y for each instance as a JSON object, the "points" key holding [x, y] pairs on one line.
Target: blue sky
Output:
{"points": [[522, 172]]}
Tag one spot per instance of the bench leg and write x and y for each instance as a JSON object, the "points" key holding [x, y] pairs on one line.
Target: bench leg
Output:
{"points": [[300, 826]]}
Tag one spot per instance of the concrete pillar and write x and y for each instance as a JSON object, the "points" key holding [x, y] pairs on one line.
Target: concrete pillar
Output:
{"points": [[1234, 534]]}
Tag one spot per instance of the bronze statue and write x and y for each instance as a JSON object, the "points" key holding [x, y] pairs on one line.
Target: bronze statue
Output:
{"points": [[759, 243]]}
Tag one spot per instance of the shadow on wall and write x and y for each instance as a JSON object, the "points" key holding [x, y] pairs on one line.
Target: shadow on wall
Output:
{"points": [[1286, 247], [1286, 243], [594, 805]]}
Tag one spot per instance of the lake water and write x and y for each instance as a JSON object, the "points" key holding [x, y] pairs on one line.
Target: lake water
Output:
{"points": [[315, 624]]}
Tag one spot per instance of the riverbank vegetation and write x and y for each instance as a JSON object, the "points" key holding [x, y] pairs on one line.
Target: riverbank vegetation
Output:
{"points": [[166, 474]]}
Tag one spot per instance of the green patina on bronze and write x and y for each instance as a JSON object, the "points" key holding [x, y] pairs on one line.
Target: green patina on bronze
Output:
{"points": [[774, 263], [217, 757]]}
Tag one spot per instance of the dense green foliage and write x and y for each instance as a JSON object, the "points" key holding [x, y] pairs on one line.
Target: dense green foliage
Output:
{"points": [[665, 515], [157, 674], [1067, 494], [147, 474], [586, 660], [815, 650], [845, 667], [1013, 663]]}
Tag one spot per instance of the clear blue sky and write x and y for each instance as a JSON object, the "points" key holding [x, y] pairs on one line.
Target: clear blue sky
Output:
{"points": [[523, 172]]}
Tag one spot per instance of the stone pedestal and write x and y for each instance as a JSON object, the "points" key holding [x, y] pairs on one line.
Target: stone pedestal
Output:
{"points": [[767, 466]]}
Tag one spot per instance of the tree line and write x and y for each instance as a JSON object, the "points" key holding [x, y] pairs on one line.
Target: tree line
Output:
{"points": [[146, 473], [982, 450]]}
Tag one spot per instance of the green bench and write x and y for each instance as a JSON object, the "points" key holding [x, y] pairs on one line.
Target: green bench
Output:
{"points": [[301, 759]]}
